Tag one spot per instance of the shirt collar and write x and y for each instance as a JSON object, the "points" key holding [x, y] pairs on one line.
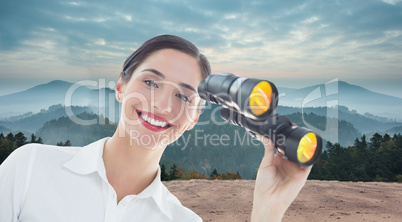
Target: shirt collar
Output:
{"points": [[89, 160], [156, 190]]}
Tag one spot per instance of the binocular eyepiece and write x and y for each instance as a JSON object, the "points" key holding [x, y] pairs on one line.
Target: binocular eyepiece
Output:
{"points": [[250, 103], [253, 98]]}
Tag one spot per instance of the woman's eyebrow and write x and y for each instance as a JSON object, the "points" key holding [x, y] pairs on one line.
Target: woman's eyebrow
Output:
{"points": [[156, 72], [184, 85]]}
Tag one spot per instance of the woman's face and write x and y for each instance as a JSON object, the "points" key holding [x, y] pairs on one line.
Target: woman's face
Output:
{"points": [[160, 100]]}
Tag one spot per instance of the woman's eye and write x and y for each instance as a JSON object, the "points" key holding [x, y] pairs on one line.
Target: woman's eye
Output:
{"points": [[184, 98], [151, 83]]}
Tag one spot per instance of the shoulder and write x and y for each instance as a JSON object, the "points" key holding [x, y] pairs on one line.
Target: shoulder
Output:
{"points": [[33, 151], [178, 211], [45, 149]]}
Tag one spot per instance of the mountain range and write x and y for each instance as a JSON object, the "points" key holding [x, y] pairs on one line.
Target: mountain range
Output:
{"points": [[55, 92], [28, 110], [330, 94], [342, 93]]}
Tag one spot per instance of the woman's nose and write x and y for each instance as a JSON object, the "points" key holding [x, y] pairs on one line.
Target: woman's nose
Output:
{"points": [[163, 101]]}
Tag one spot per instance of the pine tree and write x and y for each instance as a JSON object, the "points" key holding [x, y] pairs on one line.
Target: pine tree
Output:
{"points": [[10, 137], [67, 143], [173, 173], [20, 139], [164, 175], [214, 173], [6, 148], [386, 138], [375, 141], [39, 140], [33, 138]]}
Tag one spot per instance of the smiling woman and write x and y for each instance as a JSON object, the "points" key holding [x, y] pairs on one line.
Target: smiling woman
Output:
{"points": [[164, 97], [118, 178]]}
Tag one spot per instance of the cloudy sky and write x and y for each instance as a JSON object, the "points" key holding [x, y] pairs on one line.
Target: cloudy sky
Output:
{"points": [[294, 43]]}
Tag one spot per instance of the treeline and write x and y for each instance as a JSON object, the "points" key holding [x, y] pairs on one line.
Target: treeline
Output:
{"points": [[10, 142], [79, 133], [376, 159], [176, 173], [379, 159]]}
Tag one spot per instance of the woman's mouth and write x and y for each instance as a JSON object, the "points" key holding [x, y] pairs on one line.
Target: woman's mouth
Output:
{"points": [[152, 121]]}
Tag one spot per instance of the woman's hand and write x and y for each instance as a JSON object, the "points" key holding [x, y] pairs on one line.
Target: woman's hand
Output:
{"points": [[278, 183]]}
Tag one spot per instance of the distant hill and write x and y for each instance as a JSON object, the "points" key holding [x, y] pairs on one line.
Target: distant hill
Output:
{"points": [[4, 129], [315, 117], [342, 93], [364, 123], [31, 122], [55, 92], [64, 128], [345, 133], [395, 130]]}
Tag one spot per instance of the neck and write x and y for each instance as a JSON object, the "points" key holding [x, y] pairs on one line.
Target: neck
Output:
{"points": [[128, 164]]}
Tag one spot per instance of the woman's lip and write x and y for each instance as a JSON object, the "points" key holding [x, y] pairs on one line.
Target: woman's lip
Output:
{"points": [[150, 126], [155, 117]]}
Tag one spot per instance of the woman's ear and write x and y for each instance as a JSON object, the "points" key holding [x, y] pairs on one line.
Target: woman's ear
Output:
{"points": [[119, 90]]}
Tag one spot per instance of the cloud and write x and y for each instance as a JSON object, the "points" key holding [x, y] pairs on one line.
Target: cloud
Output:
{"points": [[392, 2], [279, 38]]}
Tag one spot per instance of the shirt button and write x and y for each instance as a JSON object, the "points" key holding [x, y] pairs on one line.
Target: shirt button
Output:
{"points": [[125, 202]]}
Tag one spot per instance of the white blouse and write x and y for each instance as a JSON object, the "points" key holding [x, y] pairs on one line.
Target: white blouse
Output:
{"points": [[40, 183]]}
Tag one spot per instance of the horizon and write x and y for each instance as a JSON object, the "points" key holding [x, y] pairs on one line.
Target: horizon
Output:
{"points": [[6, 91]]}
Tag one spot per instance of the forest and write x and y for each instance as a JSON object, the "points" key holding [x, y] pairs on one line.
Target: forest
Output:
{"points": [[376, 159]]}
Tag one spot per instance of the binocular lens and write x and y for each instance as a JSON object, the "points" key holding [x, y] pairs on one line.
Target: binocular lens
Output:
{"points": [[260, 98], [307, 147]]}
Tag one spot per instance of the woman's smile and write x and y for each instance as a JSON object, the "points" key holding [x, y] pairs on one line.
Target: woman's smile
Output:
{"points": [[152, 121]]}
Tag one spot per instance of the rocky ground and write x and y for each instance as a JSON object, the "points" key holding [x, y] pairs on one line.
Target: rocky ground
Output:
{"points": [[318, 201]]}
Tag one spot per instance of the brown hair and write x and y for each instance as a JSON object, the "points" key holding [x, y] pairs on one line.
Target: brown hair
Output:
{"points": [[164, 42]]}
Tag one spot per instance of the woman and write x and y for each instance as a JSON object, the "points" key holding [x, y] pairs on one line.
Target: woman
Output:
{"points": [[118, 178]]}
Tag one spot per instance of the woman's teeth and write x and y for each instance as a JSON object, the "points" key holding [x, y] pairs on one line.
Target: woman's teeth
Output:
{"points": [[153, 122]]}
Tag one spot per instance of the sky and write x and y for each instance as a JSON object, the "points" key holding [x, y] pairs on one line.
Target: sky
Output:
{"points": [[293, 43]]}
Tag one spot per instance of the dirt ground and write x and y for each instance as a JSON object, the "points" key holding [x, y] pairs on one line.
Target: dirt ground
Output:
{"points": [[318, 200]]}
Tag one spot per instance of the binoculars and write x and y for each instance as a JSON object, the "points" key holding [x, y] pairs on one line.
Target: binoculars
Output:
{"points": [[250, 103]]}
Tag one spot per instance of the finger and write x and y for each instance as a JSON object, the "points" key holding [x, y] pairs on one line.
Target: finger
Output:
{"points": [[269, 154]]}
